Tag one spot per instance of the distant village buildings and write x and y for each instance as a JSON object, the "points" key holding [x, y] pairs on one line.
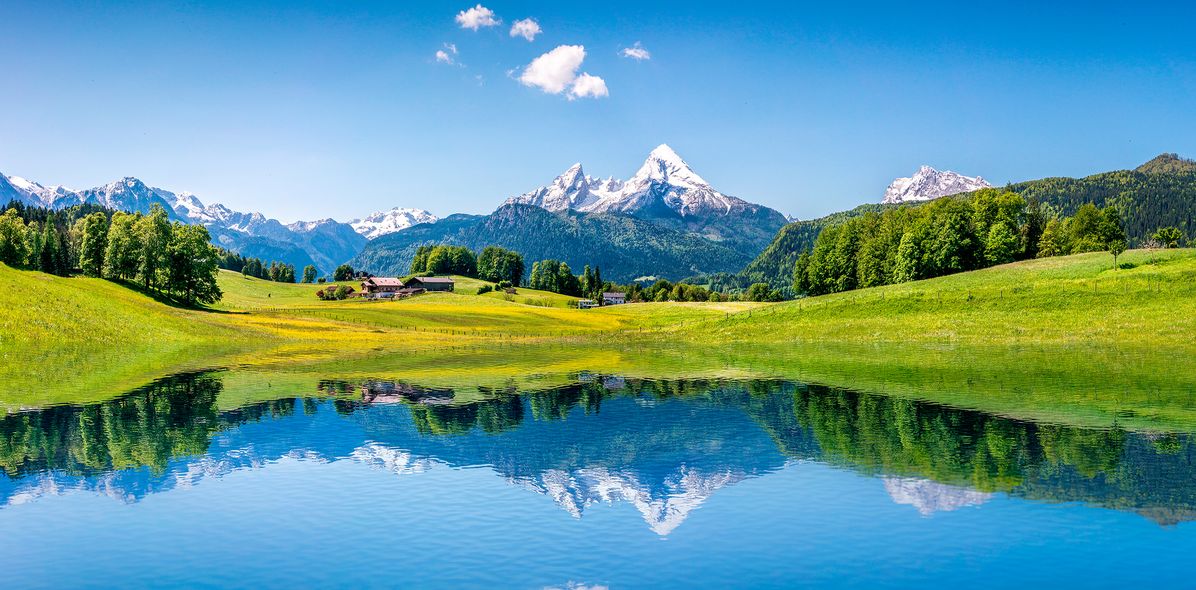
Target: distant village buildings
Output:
{"points": [[430, 283], [388, 288]]}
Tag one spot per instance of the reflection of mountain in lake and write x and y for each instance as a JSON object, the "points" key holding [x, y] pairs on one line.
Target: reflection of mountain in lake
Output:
{"points": [[661, 446], [930, 496], [584, 444]]}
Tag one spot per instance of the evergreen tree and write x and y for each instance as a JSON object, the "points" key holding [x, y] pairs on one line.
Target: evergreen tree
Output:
{"points": [[1033, 229], [309, 274], [52, 250], [587, 281], [419, 264]]}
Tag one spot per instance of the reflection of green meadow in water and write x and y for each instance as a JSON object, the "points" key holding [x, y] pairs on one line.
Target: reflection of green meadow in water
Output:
{"points": [[1132, 389], [1140, 391], [584, 423]]}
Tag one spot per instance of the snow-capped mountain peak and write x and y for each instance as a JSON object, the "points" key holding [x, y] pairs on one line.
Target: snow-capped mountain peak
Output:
{"points": [[664, 184], [665, 166], [928, 183], [573, 189], [387, 222]]}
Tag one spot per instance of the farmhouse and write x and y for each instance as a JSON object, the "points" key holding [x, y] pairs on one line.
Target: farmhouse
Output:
{"points": [[613, 298], [429, 283], [377, 285]]}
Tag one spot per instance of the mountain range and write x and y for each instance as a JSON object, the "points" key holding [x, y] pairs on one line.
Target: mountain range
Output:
{"points": [[325, 243], [665, 221], [664, 190]]}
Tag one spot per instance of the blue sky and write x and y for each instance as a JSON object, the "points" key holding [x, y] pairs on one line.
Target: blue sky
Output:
{"points": [[336, 109]]}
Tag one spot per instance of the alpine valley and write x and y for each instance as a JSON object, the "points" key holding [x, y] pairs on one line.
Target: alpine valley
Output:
{"points": [[325, 243], [665, 221]]}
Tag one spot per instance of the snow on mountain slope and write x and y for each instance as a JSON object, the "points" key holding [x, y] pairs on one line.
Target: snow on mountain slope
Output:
{"points": [[664, 179], [928, 183], [326, 242], [31, 193], [929, 496], [388, 222]]}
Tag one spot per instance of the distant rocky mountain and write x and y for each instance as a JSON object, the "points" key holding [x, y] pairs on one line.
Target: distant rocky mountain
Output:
{"points": [[928, 183], [667, 191], [625, 247], [389, 222]]}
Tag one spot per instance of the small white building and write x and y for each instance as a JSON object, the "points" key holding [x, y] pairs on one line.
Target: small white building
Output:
{"points": [[614, 298]]}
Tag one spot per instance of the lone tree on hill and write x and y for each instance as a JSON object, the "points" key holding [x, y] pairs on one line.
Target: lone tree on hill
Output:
{"points": [[1116, 247]]}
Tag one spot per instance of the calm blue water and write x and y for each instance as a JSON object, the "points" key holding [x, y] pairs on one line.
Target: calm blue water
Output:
{"points": [[608, 482]]}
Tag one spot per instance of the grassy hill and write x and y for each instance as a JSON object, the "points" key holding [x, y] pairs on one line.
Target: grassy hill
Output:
{"points": [[1071, 300], [1015, 338], [1074, 299]]}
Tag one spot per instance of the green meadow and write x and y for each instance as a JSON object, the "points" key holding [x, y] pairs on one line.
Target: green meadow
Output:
{"points": [[1069, 339]]}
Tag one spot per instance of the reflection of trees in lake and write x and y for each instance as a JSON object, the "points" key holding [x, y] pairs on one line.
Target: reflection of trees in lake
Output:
{"points": [[875, 434], [647, 438], [888, 435], [174, 417]]}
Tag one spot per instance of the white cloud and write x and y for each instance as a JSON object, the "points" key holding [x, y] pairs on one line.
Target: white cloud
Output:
{"points": [[555, 70], [586, 85], [636, 52], [527, 28], [446, 55], [477, 17]]}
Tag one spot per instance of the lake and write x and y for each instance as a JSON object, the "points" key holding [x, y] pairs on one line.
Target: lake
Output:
{"points": [[579, 479]]}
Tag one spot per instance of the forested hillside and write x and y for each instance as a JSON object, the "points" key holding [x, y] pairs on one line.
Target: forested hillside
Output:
{"points": [[1159, 193], [778, 258], [624, 247]]}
